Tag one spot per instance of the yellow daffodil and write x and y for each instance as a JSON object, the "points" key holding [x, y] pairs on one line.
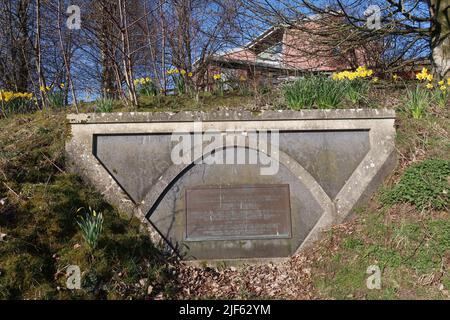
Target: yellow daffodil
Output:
{"points": [[441, 83], [429, 86], [62, 85], [6, 96], [430, 77], [423, 75], [217, 77], [183, 72], [173, 71], [395, 77], [361, 72], [443, 88], [45, 89], [190, 74]]}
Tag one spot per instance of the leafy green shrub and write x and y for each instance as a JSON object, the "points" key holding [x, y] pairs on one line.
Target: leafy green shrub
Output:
{"points": [[308, 92], [91, 227], [104, 105], [425, 185], [417, 102]]}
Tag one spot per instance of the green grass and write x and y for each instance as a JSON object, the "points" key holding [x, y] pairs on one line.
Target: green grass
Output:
{"points": [[409, 243], [406, 252]]}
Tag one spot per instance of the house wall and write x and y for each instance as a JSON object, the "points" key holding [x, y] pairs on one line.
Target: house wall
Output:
{"points": [[242, 55], [302, 51]]}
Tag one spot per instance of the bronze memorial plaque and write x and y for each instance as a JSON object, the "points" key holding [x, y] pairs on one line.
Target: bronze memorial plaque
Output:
{"points": [[238, 212]]}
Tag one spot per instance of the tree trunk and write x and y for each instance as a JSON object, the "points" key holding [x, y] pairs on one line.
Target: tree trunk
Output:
{"points": [[126, 53], [163, 46], [107, 45], [22, 57], [65, 54], [440, 39], [42, 83]]}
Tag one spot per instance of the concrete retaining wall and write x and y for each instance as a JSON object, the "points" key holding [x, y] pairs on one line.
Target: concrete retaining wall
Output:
{"points": [[332, 160]]}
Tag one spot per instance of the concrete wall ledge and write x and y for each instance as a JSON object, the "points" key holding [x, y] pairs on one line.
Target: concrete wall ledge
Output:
{"points": [[230, 115]]}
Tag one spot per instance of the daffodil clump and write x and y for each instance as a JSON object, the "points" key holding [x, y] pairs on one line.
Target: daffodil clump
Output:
{"points": [[439, 89], [142, 81], [55, 94], [355, 83], [7, 96], [360, 73], [425, 76], [176, 71], [180, 80], [12, 102], [146, 86], [219, 87]]}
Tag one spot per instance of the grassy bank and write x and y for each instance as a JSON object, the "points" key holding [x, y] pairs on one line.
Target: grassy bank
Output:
{"points": [[39, 208], [38, 215]]}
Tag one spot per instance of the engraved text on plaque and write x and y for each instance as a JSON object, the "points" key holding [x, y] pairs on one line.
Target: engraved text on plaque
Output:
{"points": [[238, 212]]}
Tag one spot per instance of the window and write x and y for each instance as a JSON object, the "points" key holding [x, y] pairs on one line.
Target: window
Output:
{"points": [[273, 54]]}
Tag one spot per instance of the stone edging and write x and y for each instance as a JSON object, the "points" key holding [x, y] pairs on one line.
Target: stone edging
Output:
{"points": [[229, 115]]}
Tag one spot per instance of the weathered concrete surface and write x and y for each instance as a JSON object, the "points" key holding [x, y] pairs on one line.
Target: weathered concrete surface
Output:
{"points": [[229, 115], [333, 160]]}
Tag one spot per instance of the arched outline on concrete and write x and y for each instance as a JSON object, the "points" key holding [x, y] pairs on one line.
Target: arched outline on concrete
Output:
{"points": [[174, 173]]}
